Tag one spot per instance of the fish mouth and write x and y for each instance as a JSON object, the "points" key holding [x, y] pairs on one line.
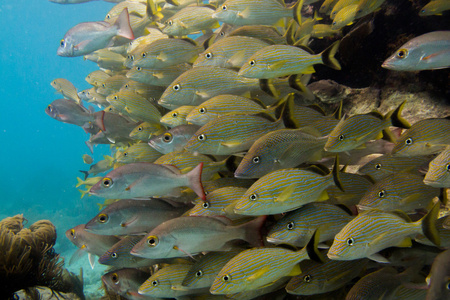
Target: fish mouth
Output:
{"points": [[363, 207], [334, 256], [431, 183], [274, 240]]}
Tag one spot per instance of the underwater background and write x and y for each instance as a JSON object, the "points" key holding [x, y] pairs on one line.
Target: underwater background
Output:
{"points": [[40, 157]]}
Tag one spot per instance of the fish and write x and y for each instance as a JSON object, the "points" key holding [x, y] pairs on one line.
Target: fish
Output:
{"points": [[188, 235], [230, 52], [139, 152], [434, 7], [358, 129], [428, 51], [87, 159], [199, 84], [355, 186], [146, 130], [366, 7], [428, 136], [105, 164], [66, 88], [174, 139], [380, 284], [203, 272], [158, 77], [69, 111], [297, 227], [107, 59], [137, 180], [444, 235], [256, 12], [340, 5], [153, 35], [96, 77], [177, 116], [402, 191], [90, 243], [389, 164], [224, 105], [254, 268], [111, 85], [439, 277], [87, 37], [263, 32], [88, 181], [126, 281], [285, 190], [164, 53], [375, 230], [321, 31], [119, 255], [318, 278], [189, 20], [128, 216], [283, 60], [344, 17], [216, 201], [163, 283], [281, 149], [327, 6], [438, 174]]}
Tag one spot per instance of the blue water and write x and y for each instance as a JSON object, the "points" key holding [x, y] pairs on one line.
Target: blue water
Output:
{"points": [[39, 156]]}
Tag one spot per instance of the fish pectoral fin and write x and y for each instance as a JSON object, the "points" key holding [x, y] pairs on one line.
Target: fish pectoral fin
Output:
{"points": [[277, 65], [129, 222], [237, 57], [231, 144], [78, 254], [379, 258], [410, 198], [295, 270], [309, 70], [81, 44], [188, 254], [286, 193], [162, 56], [323, 196], [91, 258], [259, 273], [377, 240], [133, 184], [244, 14], [203, 95]]}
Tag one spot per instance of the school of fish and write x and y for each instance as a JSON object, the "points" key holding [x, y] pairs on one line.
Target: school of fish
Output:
{"points": [[223, 184]]}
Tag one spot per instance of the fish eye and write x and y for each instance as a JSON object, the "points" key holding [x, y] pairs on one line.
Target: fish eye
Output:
{"points": [[423, 11], [222, 33], [103, 85], [152, 241], [447, 167], [381, 194], [169, 22], [103, 218], [115, 97], [253, 197], [125, 154], [167, 137], [205, 204], [202, 110], [252, 62], [224, 7], [61, 43], [138, 69], [226, 278], [144, 54], [132, 57], [155, 282], [127, 86], [115, 278], [341, 137], [72, 232], [307, 278], [199, 273], [256, 159], [350, 241], [447, 286], [378, 166], [176, 87], [402, 53], [114, 255], [334, 23], [408, 141], [140, 128], [107, 182], [201, 137], [108, 16], [290, 226], [50, 108], [208, 55], [175, 114]]}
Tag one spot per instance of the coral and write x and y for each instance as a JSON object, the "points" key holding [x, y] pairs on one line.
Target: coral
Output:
{"points": [[28, 259]]}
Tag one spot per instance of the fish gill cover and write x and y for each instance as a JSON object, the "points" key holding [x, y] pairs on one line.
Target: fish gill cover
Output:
{"points": [[364, 74]]}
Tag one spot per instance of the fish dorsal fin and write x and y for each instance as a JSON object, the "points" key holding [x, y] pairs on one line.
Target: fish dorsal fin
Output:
{"points": [[317, 108], [318, 169], [376, 114], [345, 208], [303, 47], [173, 2], [259, 102], [259, 273], [265, 116], [209, 6], [189, 40], [402, 215], [311, 131], [288, 247], [173, 168]]}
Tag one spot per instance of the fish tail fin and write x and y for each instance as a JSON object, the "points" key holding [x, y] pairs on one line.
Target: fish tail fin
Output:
{"points": [[295, 82], [297, 11], [328, 56], [396, 117], [335, 174], [86, 174], [289, 119], [230, 163], [195, 181], [253, 231], [123, 24], [443, 197], [289, 35], [312, 249], [83, 193], [90, 146], [267, 86], [153, 11], [79, 180], [99, 121], [428, 223]]}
